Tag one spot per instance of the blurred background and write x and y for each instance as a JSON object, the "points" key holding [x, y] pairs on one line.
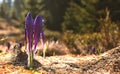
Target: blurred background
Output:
{"points": [[83, 26]]}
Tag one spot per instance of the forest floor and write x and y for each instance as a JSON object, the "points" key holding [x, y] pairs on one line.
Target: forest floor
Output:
{"points": [[105, 63]]}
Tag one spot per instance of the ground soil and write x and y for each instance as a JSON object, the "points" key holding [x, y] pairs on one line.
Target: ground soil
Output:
{"points": [[106, 63]]}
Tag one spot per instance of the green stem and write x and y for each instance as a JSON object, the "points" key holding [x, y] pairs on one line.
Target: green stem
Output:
{"points": [[30, 60]]}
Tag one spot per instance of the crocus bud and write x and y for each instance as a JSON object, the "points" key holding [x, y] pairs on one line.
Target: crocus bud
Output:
{"points": [[29, 31], [8, 46], [38, 30]]}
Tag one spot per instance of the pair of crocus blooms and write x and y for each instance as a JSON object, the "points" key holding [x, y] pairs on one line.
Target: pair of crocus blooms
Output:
{"points": [[33, 32]]}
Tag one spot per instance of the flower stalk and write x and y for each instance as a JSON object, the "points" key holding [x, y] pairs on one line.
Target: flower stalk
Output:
{"points": [[30, 60]]}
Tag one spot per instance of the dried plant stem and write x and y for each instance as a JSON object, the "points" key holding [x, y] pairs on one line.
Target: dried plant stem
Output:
{"points": [[45, 47], [44, 53]]}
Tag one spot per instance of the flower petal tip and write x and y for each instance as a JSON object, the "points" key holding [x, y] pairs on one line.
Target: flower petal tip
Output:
{"points": [[38, 20]]}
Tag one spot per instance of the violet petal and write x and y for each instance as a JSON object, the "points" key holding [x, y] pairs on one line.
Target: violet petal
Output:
{"points": [[38, 28], [29, 30]]}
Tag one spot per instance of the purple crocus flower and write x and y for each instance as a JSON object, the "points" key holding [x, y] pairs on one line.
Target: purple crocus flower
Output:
{"points": [[94, 50], [33, 28], [29, 31], [38, 31], [8, 46], [20, 45]]}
